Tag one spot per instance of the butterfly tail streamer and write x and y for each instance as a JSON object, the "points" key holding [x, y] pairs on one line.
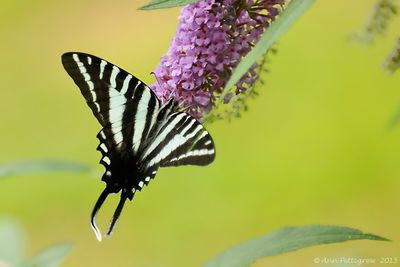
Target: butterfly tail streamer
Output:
{"points": [[96, 208], [117, 213]]}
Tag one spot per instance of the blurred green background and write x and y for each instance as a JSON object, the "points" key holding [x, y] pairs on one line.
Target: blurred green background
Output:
{"points": [[314, 147]]}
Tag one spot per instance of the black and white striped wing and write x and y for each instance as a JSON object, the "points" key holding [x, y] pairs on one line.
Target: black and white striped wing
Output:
{"points": [[124, 106], [182, 140]]}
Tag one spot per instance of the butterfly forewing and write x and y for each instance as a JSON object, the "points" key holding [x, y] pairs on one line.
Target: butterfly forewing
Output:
{"points": [[181, 141], [122, 103]]}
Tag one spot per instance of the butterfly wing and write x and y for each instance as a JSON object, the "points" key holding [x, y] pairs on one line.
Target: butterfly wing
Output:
{"points": [[124, 105], [181, 140]]}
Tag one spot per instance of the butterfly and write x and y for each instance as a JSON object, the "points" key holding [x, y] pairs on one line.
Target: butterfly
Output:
{"points": [[139, 133]]}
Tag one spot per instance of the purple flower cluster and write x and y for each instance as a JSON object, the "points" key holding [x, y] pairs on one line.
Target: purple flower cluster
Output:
{"points": [[212, 37], [392, 62]]}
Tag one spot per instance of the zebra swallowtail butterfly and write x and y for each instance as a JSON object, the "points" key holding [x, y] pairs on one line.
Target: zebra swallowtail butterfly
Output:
{"points": [[139, 134]]}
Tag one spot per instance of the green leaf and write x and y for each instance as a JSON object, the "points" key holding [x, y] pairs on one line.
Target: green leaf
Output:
{"points": [[395, 120], [50, 257], [32, 167], [12, 242], [157, 4], [285, 240], [294, 10]]}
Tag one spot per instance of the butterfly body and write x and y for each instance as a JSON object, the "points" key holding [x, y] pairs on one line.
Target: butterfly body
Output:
{"points": [[140, 134], [123, 174]]}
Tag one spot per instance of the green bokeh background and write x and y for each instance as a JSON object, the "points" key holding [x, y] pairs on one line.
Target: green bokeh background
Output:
{"points": [[314, 147]]}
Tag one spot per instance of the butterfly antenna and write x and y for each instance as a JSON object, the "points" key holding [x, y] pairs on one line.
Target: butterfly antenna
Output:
{"points": [[155, 76], [96, 208], [117, 213]]}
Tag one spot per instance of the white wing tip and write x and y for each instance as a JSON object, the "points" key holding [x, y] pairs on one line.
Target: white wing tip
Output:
{"points": [[97, 232]]}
